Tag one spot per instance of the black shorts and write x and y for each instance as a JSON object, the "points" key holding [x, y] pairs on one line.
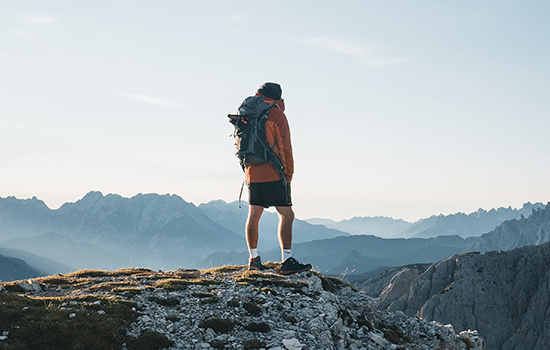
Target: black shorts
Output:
{"points": [[269, 194]]}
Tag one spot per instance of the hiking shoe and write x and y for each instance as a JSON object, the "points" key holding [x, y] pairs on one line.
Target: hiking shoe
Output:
{"points": [[291, 265], [256, 264]]}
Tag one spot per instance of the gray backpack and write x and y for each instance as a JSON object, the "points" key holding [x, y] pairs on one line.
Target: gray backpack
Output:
{"points": [[251, 144]]}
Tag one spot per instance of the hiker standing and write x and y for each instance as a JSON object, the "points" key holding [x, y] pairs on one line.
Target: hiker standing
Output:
{"points": [[269, 182]]}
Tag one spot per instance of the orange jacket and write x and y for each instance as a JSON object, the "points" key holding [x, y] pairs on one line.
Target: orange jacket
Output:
{"points": [[277, 133]]}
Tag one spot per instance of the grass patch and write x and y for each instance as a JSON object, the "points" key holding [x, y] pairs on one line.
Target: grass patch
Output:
{"points": [[252, 308], [111, 286], [129, 292], [254, 344], [332, 284], [233, 303], [217, 344], [260, 279], [173, 318], [170, 302], [394, 335], [203, 295], [290, 319], [46, 323], [13, 287], [222, 270], [258, 327], [104, 273], [171, 284], [150, 340], [56, 280], [219, 325]]}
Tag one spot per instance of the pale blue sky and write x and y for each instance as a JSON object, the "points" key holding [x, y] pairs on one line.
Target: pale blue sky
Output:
{"points": [[397, 108]]}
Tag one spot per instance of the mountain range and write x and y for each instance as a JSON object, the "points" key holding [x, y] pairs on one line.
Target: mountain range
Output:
{"points": [[166, 232], [361, 256], [110, 231], [461, 224]]}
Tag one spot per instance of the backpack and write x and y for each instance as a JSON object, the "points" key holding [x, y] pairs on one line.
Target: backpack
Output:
{"points": [[251, 144]]}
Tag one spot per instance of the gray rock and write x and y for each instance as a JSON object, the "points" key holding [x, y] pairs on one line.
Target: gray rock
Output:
{"points": [[320, 320], [503, 295], [30, 286]]}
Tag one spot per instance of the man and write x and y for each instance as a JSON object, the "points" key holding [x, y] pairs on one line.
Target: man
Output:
{"points": [[265, 188]]}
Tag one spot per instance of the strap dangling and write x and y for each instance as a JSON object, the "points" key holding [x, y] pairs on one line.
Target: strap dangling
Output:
{"points": [[241, 194]]}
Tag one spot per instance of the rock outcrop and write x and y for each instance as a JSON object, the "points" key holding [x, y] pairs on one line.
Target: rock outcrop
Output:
{"points": [[224, 308], [504, 295]]}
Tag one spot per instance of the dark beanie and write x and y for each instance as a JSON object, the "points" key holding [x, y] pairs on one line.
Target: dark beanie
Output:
{"points": [[271, 90]]}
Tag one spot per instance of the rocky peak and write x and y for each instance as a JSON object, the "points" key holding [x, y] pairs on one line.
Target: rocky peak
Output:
{"points": [[515, 233], [22, 216], [503, 294], [222, 308]]}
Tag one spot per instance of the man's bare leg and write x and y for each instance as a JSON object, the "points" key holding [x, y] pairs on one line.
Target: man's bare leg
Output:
{"points": [[286, 218], [252, 224]]}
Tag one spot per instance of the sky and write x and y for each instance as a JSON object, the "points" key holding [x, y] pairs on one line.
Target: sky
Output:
{"points": [[404, 109]]}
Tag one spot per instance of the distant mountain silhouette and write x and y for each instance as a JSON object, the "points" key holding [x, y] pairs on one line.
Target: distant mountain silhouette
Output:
{"points": [[467, 225], [145, 230], [360, 253], [61, 248], [23, 217], [12, 269], [38, 263], [379, 226], [463, 225]]}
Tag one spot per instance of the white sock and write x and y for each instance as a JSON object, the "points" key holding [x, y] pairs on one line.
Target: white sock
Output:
{"points": [[286, 253], [253, 253]]}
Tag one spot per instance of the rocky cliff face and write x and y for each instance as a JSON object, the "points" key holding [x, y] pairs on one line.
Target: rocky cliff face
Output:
{"points": [[223, 308], [504, 295]]}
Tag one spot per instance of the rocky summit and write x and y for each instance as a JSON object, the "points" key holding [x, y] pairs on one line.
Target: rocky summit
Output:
{"points": [[221, 308]]}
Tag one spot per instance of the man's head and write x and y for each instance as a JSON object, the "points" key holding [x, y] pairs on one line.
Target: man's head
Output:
{"points": [[271, 90]]}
